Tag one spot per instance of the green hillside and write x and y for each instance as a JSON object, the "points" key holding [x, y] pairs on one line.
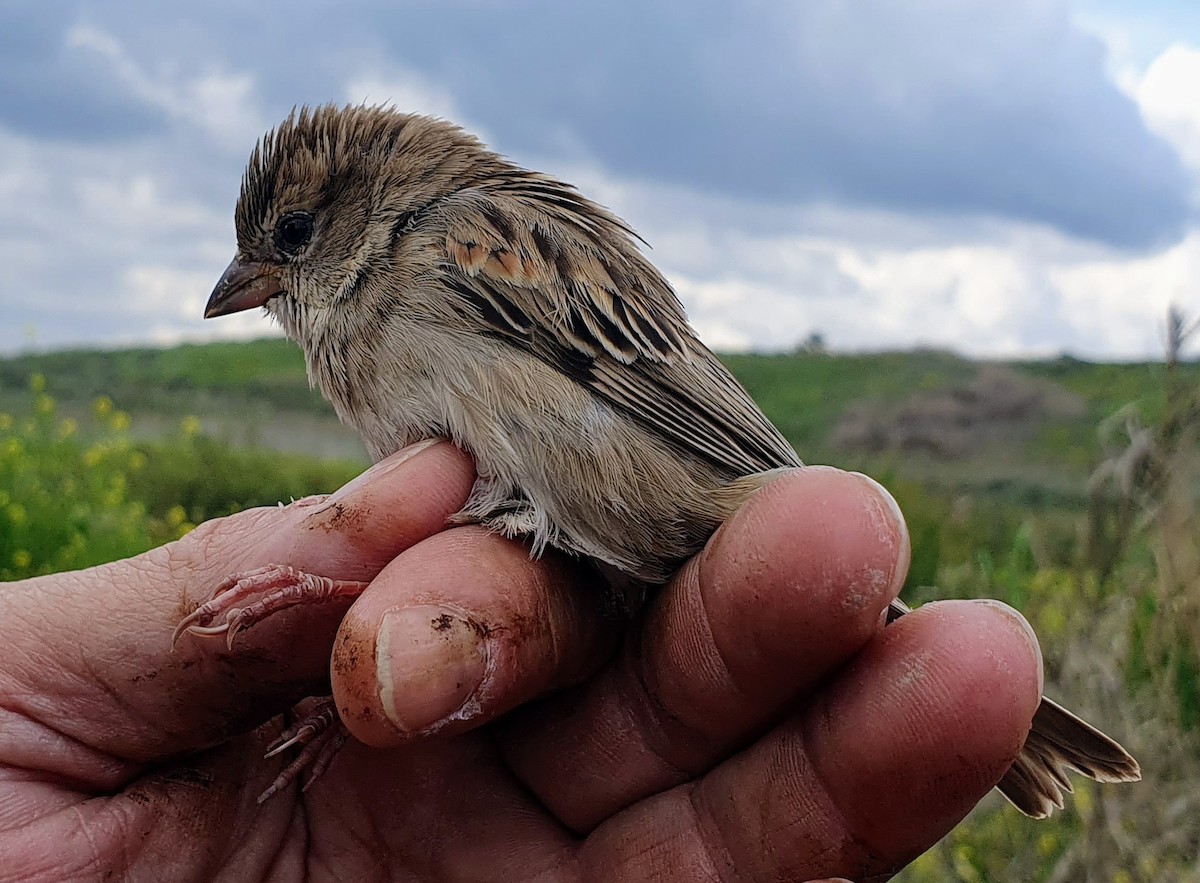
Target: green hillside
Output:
{"points": [[1018, 428], [178, 379], [804, 392]]}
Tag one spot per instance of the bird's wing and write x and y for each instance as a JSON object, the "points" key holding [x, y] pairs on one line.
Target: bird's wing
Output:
{"points": [[558, 276]]}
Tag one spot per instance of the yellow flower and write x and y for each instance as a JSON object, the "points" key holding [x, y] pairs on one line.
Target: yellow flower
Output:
{"points": [[67, 427], [21, 559], [37, 382], [92, 457], [16, 513], [1053, 619], [119, 422], [1047, 844], [102, 407], [137, 460], [44, 405], [924, 866], [190, 426], [963, 865], [1084, 803], [12, 448], [176, 516]]}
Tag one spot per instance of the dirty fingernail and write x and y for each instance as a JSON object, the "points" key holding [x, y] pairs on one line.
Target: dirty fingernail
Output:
{"points": [[892, 510], [431, 663], [1023, 625]]}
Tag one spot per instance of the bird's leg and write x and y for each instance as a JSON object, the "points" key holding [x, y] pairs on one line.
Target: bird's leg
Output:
{"points": [[321, 734], [273, 588], [245, 599]]}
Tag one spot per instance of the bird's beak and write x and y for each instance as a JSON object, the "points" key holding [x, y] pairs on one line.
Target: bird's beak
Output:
{"points": [[243, 286]]}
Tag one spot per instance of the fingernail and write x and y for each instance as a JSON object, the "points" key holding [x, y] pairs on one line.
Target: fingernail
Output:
{"points": [[382, 468], [431, 662], [885, 495], [892, 510], [1015, 616]]}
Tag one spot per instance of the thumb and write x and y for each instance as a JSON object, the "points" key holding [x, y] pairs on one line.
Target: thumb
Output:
{"points": [[88, 654]]}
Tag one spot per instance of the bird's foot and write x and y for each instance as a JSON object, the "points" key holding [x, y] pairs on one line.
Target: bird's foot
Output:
{"points": [[321, 735], [248, 598]]}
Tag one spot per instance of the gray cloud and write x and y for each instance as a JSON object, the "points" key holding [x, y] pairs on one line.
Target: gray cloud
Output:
{"points": [[944, 105], [981, 107], [748, 120], [54, 90]]}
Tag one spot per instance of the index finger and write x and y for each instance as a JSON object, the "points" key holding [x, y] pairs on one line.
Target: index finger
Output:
{"points": [[89, 664]]}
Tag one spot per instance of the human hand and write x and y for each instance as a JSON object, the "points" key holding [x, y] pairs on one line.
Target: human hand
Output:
{"points": [[757, 722]]}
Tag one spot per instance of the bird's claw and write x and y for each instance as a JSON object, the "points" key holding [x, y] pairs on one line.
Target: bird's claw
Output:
{"points": [[321, 733], [245, 599]]}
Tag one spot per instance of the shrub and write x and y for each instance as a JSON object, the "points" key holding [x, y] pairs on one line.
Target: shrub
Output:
{"points": [[64, 501], [72, 496]]}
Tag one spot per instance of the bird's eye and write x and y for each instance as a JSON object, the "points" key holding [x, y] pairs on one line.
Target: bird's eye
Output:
{"points": [[293, 232]]}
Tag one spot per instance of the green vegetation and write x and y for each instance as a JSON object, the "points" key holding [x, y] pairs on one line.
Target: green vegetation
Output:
{"points": [[65, 503], [76, 493], [1017, 480], [806, 393], [180, 380]]}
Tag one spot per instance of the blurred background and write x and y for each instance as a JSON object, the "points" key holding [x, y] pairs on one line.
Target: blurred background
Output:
{"points": [[954, 243]]}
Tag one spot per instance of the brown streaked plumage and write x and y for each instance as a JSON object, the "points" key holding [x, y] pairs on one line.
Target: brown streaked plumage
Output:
{"points": [[437, 289]]}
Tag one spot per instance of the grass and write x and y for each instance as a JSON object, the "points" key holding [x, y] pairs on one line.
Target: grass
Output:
{"points": [[806, 393], [179, 380]]}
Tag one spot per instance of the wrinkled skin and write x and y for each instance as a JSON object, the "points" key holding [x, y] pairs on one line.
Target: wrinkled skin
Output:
{"points": [[757, 722]]}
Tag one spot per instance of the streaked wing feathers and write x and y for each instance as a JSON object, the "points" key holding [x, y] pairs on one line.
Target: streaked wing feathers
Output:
{"points": [[558, 276], [557, 273]]}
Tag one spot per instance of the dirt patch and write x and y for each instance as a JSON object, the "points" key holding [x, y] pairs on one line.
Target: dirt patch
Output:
{"points": [[338, 518], [950, 423]]}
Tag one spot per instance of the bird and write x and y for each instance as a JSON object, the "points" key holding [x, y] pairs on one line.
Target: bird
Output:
{"points": [[439, 290]]}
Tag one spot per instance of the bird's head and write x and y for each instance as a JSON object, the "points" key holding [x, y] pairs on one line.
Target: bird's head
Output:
{"points": [[324, 197]]}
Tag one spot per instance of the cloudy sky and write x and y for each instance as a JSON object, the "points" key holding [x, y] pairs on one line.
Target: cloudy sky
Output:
{"points": [[1001, 178]]}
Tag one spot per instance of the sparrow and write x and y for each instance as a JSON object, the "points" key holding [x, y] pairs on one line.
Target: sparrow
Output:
{"points": [[437, 289]]}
